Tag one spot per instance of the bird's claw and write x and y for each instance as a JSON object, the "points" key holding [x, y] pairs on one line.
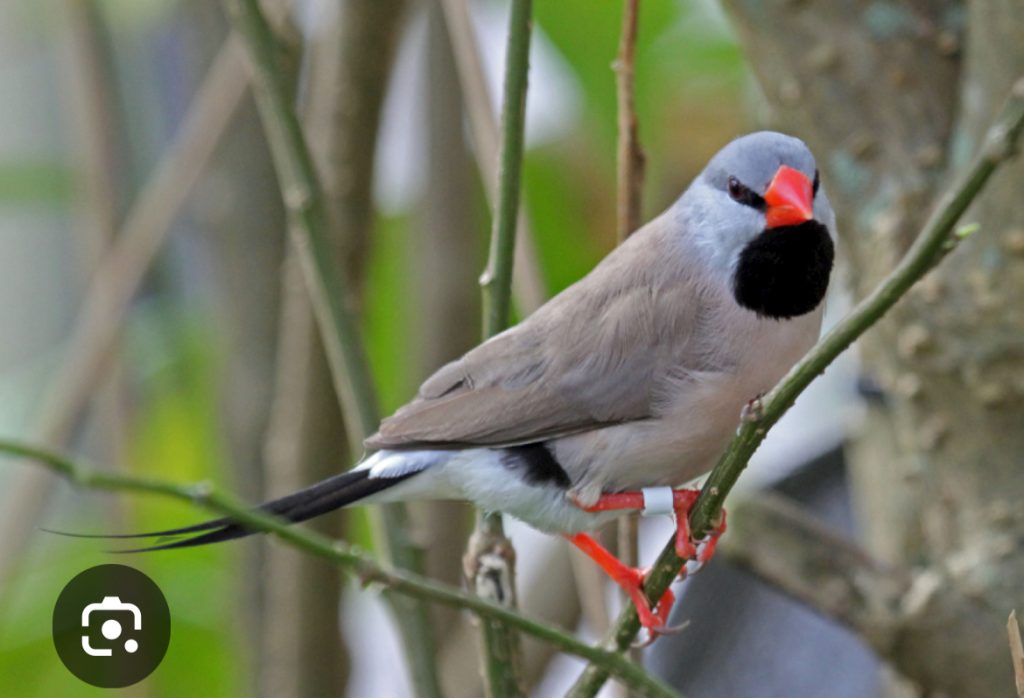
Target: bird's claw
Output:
{"points": [[653, 619], [656, 632]]}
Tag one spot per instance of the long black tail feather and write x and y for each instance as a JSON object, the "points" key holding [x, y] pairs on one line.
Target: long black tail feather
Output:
{"points": [[327, 495]]}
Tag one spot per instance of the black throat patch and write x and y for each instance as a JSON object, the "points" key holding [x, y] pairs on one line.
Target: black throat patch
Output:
{"points": [[783, 272]]}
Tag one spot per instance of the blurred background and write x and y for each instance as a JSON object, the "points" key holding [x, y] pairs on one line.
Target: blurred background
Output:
{"points": [[155, 320]]}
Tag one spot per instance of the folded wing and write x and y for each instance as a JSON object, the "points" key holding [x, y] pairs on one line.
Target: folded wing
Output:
{"points": [[593, 356]]}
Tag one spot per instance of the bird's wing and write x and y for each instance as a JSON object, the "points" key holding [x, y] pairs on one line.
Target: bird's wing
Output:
{"points": [[595, 355]]}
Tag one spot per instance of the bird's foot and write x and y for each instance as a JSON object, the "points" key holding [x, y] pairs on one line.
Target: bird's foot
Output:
{"points": [[682, 502], [705, 547], [631, 579]]}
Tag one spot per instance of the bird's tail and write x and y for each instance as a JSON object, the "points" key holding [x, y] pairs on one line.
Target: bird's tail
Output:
{"points": [[327, 495]]}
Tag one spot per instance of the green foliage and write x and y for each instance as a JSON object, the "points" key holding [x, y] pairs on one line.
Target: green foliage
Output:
{"points": [[36, 183], [177, 438], [174, 436]]}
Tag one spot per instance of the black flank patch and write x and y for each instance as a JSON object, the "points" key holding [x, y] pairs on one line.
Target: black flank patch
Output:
{"points": [[783, 272], [536, 464]]}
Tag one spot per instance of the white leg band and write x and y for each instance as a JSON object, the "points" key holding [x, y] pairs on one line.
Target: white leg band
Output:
{"points": [[657, 500]]}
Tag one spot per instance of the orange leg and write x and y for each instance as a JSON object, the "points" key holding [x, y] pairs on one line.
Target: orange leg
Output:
{"points": [[682, 502], [631, 580]]}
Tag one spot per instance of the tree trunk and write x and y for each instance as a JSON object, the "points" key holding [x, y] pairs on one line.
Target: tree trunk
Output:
{"points": [[893, 98]]}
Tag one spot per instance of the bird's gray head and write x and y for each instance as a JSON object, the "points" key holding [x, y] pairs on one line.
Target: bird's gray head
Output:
{"points": [[760, 217]]}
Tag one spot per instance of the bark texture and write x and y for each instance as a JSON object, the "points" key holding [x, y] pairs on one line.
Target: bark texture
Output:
{"points": [[893, 97]]}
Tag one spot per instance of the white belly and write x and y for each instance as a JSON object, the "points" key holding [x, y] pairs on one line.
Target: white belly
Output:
{"points": [[478, 475]]}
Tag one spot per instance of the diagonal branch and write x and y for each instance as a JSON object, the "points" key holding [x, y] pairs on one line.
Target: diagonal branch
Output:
{"points": [[938, 238], [331, 297], [347, 69], [307, 217], [365, 569]]}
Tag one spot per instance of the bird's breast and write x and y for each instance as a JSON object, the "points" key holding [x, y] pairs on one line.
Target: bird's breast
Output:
{"points": [[697, 415]]}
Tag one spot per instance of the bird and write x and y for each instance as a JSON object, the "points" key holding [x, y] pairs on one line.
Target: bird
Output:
{"points": [[624, 386]]}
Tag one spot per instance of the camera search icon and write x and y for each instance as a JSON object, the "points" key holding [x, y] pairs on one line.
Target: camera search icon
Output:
{"points": [[111, 626]]}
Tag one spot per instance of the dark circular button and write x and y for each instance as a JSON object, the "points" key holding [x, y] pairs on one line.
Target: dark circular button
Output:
{"points": [[111, 626]]}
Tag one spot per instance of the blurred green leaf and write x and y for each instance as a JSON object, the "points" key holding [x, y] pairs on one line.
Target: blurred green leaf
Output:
{"points": [[36, 182]]}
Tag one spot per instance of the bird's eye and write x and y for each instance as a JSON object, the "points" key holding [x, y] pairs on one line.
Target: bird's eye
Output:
{"points": [[817, 182], [735, 188], [745, 195]]}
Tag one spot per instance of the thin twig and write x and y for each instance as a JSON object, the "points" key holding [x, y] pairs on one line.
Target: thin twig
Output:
{"points": [[528, 288], [349, 557], [347, 69], [938, 237], [1016, 652], [631, 158], [497, 278], [330, 295], [307, 219], [488, 547]]}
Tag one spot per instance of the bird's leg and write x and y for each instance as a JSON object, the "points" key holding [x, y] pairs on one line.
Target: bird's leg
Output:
{"points": [[631, 579], [682, 502]]}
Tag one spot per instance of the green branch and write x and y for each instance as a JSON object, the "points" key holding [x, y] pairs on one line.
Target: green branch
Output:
{"points": [[502, 654], [938, 238], [365, 569], [307, 218], [330, 292], [497, 277]]}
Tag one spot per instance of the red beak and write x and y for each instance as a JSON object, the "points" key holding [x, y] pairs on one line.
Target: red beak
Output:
{"points": [[790, 198]]}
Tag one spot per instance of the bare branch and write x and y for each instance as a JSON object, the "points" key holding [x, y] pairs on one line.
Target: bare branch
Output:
{"points": [[631, 158], [1016, 652], [527, 282], [330, 293], [348, 68], [490, 558]]}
